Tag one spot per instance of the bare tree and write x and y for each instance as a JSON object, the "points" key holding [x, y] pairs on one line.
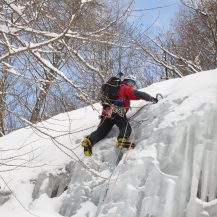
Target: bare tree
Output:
{"points": [[57, 50], [194, 36]]}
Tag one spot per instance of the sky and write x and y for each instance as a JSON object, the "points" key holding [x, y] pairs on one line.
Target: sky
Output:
{"points": [[159, 12]]}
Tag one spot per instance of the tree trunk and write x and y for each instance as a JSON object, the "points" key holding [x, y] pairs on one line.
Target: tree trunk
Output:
{"points": [[49, 78], [3, 87], [42, 96]]}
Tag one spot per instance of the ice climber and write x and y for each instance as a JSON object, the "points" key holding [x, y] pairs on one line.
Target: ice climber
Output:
{"points": [[116, 96]]}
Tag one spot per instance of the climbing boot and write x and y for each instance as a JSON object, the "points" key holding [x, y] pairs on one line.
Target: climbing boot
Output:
{"points": [[87, 145], [125, 143]]}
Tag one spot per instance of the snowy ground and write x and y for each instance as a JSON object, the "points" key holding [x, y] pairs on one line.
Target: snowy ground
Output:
{"points": [[171, 172]]}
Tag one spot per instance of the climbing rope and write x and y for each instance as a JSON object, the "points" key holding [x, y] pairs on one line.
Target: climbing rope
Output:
{"points": [[106, 196]]}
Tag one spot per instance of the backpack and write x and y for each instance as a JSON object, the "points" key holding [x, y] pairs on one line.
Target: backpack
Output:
{"points": [[109, 90]]}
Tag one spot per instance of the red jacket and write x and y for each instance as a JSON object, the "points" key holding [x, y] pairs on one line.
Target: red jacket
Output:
{"points": [[127, 93]]}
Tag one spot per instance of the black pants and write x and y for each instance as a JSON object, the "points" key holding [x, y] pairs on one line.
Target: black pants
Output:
{"points": [[106, 125]]}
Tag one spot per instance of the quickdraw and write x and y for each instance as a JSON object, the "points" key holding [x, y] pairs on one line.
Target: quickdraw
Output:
{"points": [[118, 110]]}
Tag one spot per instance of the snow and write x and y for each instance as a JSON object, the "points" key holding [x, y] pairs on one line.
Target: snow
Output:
{"points": [[85, 1], [17, 9], [171, 172]]}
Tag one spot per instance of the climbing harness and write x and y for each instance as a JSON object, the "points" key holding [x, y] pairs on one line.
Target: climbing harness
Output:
{"points": [[118, 110]]}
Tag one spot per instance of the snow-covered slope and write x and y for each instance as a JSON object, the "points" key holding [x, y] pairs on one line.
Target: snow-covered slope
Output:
{"points": [[171, 173]]}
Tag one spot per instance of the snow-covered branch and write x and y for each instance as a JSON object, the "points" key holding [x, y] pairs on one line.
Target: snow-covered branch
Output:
{"points": [[195, 68], [48, 65], [159, 59]]}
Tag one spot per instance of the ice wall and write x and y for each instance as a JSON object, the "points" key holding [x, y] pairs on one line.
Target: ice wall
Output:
{"points": [[172, 171], [180, 180]]}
